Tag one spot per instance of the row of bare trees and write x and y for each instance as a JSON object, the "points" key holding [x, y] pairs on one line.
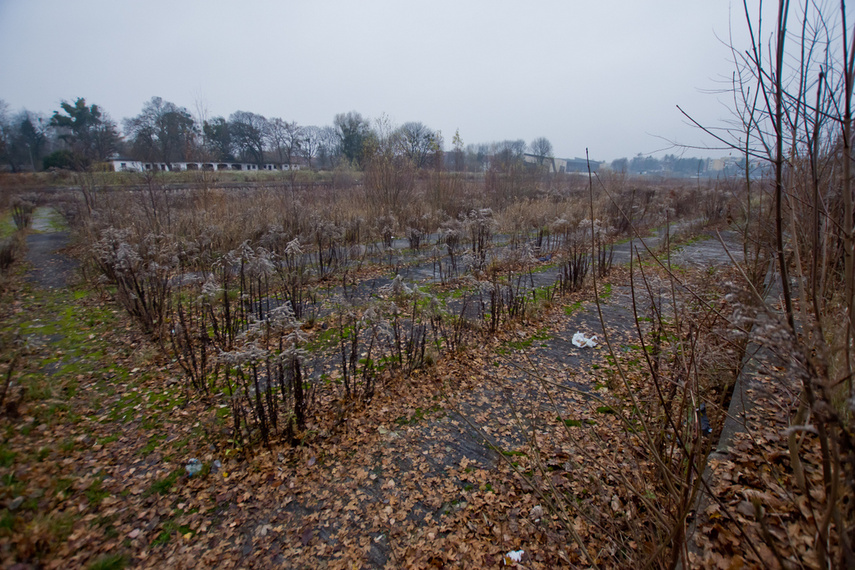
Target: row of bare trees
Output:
{"points": [[164, 132]]}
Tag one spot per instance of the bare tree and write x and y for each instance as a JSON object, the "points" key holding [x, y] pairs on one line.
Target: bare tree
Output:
{"points": [[793, 89], [4, 127], [457, 143], [23, 139], [507, 154], [247, 132], [201, 150], [328, 146], [218, 139], [353, 132], [416, 142], [542, 149], [284, 139], [312, 140], [162, 132], [478, 157]]}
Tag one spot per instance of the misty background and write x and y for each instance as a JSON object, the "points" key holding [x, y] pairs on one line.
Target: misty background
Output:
{"points": [[606, 76]]}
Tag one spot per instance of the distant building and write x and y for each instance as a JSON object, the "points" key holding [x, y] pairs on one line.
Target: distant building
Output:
{"points": [[735, 166], [557, 165], [131, 165], [718, 164]]}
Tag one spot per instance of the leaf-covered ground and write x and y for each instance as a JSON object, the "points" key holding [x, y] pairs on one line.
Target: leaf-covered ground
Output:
{"points": [[440, 470]]}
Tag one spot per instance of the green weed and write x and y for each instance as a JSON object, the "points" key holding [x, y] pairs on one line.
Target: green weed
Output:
{"points": [[7, 458], [116, 561], [96, 493], [570, 309], [7, 521], [164, 486]]}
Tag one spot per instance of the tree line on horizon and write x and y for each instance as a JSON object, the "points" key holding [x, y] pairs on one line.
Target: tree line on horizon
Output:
{"points": [[79, 135]]}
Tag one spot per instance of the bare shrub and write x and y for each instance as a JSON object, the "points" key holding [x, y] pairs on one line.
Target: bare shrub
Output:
{"points": [[389, 183], [140, 272], [451, 235], [481, 226], [328, 238], [714, 205], [414, 237], [597, 234], [8, 253], [22, 213], [386, 226], [507, 182], [264, 378], [448, 193], [574, 269]]}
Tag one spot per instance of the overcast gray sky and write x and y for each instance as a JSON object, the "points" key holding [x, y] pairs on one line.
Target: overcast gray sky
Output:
{"points": [[601, 74]]}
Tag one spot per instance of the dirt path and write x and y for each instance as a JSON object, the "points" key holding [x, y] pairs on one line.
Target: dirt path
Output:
{"points": [[50, 269]]}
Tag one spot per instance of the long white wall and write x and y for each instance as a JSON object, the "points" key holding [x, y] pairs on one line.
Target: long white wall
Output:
{"points": [[139, 166]]}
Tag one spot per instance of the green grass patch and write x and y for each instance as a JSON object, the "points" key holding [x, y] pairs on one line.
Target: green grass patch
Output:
{"points": [[570, 309], [514, 454], [170, 528], [461, 292], [7, 225], [7, 521], [55, 221], [116, 561], [38, 390], [162, 539], [153, 443], [58, 525], [123, 411], [540, 336], [181, 444], [326, 339], [164, 486], [63, 485], [576, 423], [7, 457], [417, 416], [109, 439], [96, 492]]}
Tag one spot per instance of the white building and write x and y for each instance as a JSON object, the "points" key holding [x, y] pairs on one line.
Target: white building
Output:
{"points": [[556, 165], [130, 165]]}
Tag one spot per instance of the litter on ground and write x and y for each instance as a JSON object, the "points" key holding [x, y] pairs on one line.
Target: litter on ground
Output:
{"points": [[582, 341]]}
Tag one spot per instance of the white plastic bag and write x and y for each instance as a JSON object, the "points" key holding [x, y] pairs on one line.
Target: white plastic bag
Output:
{"points": [[582, 341]]}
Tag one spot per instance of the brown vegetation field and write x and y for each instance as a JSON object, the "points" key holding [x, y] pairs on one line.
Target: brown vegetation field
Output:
{"points": [[378, 369]]}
